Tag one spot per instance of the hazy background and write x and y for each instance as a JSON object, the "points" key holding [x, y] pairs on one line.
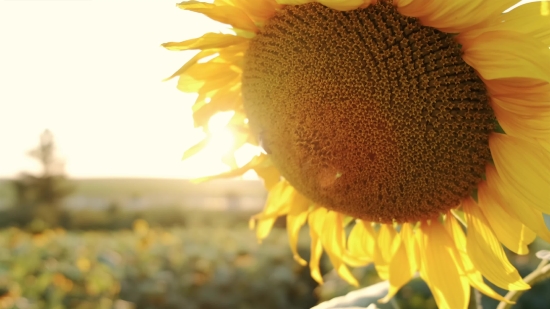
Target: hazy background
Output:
{"points": [[91, 72]]}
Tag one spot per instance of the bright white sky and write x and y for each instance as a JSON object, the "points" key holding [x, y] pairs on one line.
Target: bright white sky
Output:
{"points": [[91, 72]]}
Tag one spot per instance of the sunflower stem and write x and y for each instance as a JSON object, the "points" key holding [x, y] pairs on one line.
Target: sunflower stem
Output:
{"points": [[476, 301], [539, 274]]}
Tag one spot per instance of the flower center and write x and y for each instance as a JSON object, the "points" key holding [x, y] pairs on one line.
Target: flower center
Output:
{"points": [[367, 112]]}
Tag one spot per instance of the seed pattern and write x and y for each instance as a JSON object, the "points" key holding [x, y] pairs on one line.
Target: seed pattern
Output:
{"points": [[367, 112]]}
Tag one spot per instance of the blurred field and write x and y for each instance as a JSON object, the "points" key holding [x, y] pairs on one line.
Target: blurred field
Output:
{"points": [[214, 262], [171, 257], [194, 267], [145, 193]]}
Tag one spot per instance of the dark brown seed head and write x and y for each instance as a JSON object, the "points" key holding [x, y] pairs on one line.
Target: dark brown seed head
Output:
{"points": [[367, 112]]}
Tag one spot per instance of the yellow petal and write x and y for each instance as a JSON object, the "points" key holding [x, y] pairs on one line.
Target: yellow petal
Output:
{"points": [[545, 144], [361, 243], [188, 84], [259, 11], [226, 14], [466, 266], [224, 99], [224, 80], [277, 204], [257, 160], [262, 226], [402, 3], [387, 245], [233, 55], [207, 41], [527, 19], [517, 88], [223, 2], [278, 200], [408, 238], [525, 167], [404, 263], [239, 122], [522, 106], [440, 267], [209, 77], [341, 5], [454, 15], [200, 55], [316, 220], [269, 173], [401, 271], [515, 206], [524, 97], [508, 229], [235, 59], [534, 126], [345, 5], [211, 70], [202, 99], [195, 148], [495, 55], [333, 240], [537, 127], [295, 219], [294, 2], [486, 253], [316, 252]]}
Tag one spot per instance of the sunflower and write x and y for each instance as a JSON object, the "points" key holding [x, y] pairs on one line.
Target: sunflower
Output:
{"points": [[403, 122]]}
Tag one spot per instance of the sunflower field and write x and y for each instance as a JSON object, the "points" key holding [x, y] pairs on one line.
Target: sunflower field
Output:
{"points": [[150, 268], [200, 265]]}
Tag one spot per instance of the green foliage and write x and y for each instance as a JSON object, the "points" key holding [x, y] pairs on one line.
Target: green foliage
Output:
{"points": [[147, 267], [115, 218]]}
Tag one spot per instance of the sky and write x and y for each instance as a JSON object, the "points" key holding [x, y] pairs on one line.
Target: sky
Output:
{"points": [[91, 71]]}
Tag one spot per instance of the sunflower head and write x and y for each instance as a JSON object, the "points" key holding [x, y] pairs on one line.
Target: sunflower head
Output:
{"points": [[416, 118], [371, 114]]}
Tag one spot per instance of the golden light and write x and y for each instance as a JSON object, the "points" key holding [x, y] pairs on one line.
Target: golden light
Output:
{"points": [[222, 140], [210, 160]]}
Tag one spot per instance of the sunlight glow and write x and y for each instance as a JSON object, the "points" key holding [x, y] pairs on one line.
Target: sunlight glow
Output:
{"points": [[219, 121], [244, 154], [222, 143]]}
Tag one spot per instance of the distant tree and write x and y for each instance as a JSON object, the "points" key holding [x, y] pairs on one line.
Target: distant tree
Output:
{"points": [[39, 196]]}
